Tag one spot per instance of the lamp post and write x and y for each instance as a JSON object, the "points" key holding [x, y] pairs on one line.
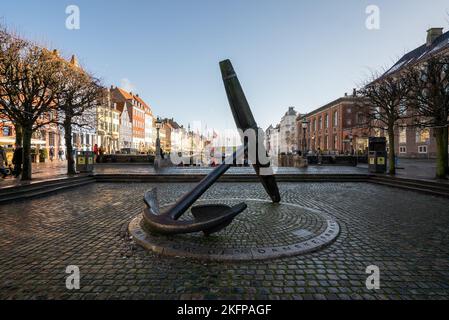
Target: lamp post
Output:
{"points": [[191, 146], [351, 141], [305, 124], [158, 140]]}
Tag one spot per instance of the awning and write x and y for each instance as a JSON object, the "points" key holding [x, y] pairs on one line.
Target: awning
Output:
{"points": [[12, 140]]}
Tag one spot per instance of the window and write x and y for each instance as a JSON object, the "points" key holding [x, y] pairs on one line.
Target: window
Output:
{"points": [[335, 119], [335, 142], [361, 118], [402, 149], [422, 149], [402, 109], [51, 139], [326, 121], [326, 143], [6, 131], [403, 135], [320, 123], [422, 136], [377, 132]]}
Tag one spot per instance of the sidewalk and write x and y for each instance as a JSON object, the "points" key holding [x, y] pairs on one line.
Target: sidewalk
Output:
{"points": [[410, 169]]}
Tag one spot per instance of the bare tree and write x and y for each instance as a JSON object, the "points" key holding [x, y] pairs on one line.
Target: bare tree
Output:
{"points": [[386, 107], [28, 76], [77, 99], [430, 100]]}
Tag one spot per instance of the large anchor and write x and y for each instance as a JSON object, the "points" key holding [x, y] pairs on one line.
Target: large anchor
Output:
{"points": [[212, 218]]}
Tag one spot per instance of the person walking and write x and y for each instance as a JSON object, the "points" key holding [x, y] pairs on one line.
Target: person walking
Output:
{"points": [[96, 152], [52, 154], [3, 162], [60, 154], [319, 156], [17, 160]]}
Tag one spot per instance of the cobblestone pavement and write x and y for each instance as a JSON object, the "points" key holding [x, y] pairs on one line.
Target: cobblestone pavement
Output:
{"points": [[404, 233]]}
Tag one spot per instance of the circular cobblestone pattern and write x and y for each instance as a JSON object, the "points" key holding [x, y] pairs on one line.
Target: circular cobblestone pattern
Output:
{"points": [[263, 231], [404, 233]]}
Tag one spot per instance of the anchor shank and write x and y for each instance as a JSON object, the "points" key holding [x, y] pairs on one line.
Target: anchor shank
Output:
{"points": [[183, 204]]}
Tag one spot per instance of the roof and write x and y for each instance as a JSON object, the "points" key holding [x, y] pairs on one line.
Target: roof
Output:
{"points": [[291, 112], [172, 123], [349, 99], [130, 96], [421, 53]]}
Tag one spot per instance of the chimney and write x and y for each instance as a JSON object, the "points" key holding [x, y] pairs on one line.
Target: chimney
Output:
{"points": [[346, 94], [433, 34], [56, 52]]}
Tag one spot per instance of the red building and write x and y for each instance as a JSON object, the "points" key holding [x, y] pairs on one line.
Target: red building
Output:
{"points": [[136, 111], [337, 127]]}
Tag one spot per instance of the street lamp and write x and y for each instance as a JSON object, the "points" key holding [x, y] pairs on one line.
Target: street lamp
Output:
{"points": [[158, 140], [191, 146], [305, 124]]}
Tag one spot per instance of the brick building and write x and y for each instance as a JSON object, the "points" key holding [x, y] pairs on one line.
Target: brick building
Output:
{"points": [[337, 127], [412, 141], [137, 109]]}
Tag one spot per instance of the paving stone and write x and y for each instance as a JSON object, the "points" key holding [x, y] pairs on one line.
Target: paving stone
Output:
{"points": [[402, 232]]}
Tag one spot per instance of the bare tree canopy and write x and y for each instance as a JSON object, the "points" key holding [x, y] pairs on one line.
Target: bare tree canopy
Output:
{"points": [[430, 100], [28, 78], [386, 107], [77, 98], [38, 87]]}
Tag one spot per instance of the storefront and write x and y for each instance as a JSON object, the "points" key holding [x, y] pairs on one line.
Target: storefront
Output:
{"points": [[8, 144]]}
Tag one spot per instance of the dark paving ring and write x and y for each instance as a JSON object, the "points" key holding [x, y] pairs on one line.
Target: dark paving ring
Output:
{"points": [[264, 231]]}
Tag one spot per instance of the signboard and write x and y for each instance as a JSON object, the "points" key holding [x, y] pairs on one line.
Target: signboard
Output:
{"points": [[90, 160], [372, 161], [381, 161], [81, 160]]}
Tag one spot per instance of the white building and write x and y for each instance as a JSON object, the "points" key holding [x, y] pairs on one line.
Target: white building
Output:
{"points": [[126, 129], [150, 143], [272, 142], [287, 132]]}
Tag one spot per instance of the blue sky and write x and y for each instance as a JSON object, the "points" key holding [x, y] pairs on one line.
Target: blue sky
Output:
{"points": [[286, 52]]}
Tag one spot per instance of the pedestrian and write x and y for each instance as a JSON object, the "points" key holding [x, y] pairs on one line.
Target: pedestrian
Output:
{"points": [[319, 156], [60, 154], [17, 160], [52, 153], [3, 162], [96, 152]]}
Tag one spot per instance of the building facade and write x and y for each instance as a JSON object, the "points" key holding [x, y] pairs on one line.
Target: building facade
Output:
{"points": [[138, 113], [338, 127], [287, 132], [108, 124], [126, 128], [412, 141]]}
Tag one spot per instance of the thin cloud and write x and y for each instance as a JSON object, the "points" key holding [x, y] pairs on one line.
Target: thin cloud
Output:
{"points": [[127, 85]]}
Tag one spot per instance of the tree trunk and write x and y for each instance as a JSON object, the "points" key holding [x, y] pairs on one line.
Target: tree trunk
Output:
{"points": [[446, 151], [27, 134], [440, 137], [69, 147], [391, 151], [19, 134]]}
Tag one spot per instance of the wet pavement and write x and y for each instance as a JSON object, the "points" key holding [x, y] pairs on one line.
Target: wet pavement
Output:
{"points": [[86, 227]]}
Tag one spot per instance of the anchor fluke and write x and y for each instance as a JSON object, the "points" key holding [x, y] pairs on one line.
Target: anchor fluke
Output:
{"points": [[208, 218]]}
